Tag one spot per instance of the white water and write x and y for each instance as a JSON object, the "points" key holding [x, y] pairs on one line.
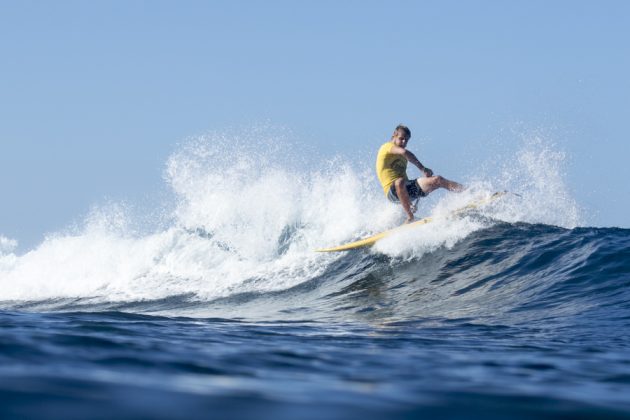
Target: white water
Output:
{"points": [[249, 222]]}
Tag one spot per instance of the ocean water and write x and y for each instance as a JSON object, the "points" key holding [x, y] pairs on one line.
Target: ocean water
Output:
{"points": [[221, 309]]}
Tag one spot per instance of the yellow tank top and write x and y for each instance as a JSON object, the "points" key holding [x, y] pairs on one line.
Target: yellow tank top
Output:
{"points": [[389, 167]]}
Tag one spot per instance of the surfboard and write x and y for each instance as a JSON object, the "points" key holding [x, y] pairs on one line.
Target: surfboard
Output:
{"points": [[371, 240]]}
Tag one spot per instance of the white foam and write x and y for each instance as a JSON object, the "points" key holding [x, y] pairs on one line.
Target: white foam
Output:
{"points": [[248, 218], [538, 175], [7, 245], [7, 255], [415, 242], [248, 215]]}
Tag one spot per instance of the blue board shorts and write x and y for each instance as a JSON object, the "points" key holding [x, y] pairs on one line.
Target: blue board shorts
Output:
{"points": [[413, 189]]}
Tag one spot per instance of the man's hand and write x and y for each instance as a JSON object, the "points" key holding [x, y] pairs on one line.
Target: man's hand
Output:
{"points": [[427, 172]]}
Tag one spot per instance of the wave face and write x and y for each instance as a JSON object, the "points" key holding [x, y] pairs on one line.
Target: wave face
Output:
{"points": [[517, 301]]}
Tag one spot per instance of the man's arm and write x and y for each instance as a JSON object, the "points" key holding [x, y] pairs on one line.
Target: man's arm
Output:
{"points": [[412, 158]]}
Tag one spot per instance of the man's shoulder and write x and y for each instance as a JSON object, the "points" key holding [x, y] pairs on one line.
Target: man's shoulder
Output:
{"points": [[390, 148], [385, 147]]}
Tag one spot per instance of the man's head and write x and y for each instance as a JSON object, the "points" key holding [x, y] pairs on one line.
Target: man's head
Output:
{"points": [[401, 135]]}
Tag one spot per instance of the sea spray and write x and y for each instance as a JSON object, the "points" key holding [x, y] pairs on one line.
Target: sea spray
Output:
{"points": [[244, 221], [7, 256], [249, 211], [537, 194], [7, 245]]}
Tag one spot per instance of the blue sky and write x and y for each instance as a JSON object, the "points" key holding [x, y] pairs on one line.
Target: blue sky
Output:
{"points": [[96, 95]]}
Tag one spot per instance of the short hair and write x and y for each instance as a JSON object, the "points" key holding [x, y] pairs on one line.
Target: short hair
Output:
{"points": [[401, 127]]}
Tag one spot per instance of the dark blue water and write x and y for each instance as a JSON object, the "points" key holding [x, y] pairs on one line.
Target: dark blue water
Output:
{"points": [[516, 320]]}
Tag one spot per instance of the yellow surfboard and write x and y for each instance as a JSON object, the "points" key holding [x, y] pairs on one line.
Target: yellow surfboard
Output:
{"points": [[371, 240]]}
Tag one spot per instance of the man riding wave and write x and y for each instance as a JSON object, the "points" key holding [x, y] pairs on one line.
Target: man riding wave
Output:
{"points": [[391, 169]]}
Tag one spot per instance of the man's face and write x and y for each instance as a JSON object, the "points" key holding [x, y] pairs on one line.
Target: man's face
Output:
{"points": [[401, 139]]}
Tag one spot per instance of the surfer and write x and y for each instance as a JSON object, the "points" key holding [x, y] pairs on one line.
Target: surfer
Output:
{"points": [[391, 169]]}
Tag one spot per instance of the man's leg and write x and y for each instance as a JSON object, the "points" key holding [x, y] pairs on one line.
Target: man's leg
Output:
{"points": [[403, 196], [432, 183]]}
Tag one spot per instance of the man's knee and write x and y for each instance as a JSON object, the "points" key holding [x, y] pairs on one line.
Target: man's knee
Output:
{"points": [[431, 183], [435, 181]]}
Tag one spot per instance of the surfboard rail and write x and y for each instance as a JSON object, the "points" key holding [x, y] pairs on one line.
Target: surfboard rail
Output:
{"points": [[371, 240]]}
